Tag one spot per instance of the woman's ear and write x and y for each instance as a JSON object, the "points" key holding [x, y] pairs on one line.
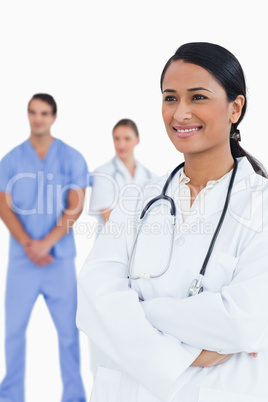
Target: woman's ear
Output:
{"points": [[236, 109]]}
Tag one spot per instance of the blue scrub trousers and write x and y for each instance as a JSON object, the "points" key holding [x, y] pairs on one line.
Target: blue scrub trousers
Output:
{"points": [[57, 283]]}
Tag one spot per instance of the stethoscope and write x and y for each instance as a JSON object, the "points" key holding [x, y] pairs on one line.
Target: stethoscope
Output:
{"points": [[196, 285]]}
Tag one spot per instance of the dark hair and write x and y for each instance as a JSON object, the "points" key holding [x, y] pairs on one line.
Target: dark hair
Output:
{"points": [[46, 98], [225, 67], [128, 123]]}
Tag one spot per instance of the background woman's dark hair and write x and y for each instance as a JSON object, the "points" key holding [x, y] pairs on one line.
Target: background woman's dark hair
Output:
{"points": [[128, 123], [225, 67], [46, 98]]}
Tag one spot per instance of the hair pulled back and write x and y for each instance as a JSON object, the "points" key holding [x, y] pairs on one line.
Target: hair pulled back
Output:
{"points": [[128, 123], [226, 69]]}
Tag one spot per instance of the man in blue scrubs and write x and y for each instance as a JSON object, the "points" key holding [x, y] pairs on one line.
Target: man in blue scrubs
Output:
{"points": [[42, 187]]}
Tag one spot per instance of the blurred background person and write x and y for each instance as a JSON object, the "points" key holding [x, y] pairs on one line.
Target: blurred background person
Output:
{"points": [[122, 171], [120, 174], [42, 186]]}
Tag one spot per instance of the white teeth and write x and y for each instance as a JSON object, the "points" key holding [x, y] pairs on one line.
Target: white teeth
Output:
{"points": [[187, 130]]}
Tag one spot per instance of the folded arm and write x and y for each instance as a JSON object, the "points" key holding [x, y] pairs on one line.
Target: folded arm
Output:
{"points": [[231, 321], [110, 313]]}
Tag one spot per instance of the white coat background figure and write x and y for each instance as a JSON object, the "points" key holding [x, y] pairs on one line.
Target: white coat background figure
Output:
{"points": [[163, 345], [112, 181], [115, 178]]}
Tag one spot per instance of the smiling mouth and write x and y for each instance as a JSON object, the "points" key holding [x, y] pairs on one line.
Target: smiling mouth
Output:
{"points": [[186, 132]]}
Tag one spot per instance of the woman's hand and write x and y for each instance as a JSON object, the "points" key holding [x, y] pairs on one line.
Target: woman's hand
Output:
{"points": [[105, 213], [253, 354], [209, 359]]}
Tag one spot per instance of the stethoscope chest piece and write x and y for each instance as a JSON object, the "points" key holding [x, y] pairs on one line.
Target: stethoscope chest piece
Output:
{"points": [[196, 287]]}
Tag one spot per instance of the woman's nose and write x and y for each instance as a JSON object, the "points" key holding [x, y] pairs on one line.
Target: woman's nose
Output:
{"points": [[182, 112]]}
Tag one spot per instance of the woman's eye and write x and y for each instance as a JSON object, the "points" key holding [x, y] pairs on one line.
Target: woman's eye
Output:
{"points": [[199, 97], [170, 99]]}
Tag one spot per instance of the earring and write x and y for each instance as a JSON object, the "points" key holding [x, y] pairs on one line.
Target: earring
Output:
{"points": [[236, 135]]}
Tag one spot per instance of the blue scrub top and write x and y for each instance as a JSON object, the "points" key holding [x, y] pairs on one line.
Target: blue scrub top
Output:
{"points": [[39, 189]]}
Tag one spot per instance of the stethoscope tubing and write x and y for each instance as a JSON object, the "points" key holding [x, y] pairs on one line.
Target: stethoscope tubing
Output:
{"points": [[218, 228]]}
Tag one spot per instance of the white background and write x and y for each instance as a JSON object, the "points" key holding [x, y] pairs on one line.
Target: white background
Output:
{"points": [[102, 61]]}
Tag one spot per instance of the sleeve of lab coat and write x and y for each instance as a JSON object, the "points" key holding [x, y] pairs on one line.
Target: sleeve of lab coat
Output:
{"points": [[110, 313], [231, 321]]}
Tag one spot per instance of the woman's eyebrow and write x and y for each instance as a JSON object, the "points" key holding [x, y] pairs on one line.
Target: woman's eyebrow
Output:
{"points": [[169, 90], [188, 90], [198, 89]]}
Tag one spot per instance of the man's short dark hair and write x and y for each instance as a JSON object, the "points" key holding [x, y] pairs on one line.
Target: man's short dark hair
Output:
{"points": [[46, 98]]}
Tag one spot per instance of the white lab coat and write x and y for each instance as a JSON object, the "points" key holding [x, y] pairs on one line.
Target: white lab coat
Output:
{"points": [[112, 181], [149, 328]]}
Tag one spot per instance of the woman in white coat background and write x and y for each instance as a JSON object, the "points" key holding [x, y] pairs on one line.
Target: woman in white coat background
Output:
{"points": [[120, 174], [134, 300], [117, 178]]}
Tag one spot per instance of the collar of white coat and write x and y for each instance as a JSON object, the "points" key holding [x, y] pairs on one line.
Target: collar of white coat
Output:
{"points": [[123, 169], [215, 199], [210, 183]]}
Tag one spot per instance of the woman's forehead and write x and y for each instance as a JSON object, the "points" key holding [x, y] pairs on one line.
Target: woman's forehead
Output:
{"points": [[188, 76]]}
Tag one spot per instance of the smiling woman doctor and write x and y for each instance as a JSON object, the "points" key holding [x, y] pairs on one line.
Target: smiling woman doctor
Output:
{"points": [[181, 307]]}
